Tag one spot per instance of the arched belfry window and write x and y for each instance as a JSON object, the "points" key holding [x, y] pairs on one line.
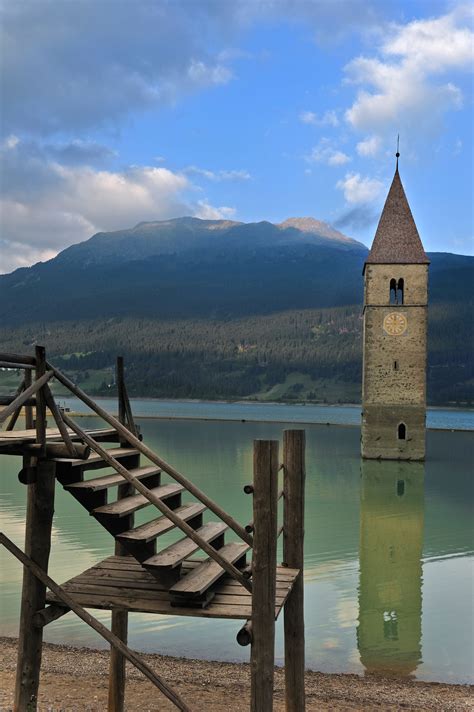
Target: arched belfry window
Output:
{"points": [[393, 291], [396, 291], [402, 431], [399, 294]]}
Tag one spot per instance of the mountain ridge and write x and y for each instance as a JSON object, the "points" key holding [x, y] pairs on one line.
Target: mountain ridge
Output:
{"points": [[267, 304]]}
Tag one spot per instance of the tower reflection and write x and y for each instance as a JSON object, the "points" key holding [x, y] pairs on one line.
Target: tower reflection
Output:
{"points": [[390, 551]]}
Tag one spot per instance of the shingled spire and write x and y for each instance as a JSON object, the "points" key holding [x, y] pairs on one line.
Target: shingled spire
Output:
{"points": [[397, 240]]}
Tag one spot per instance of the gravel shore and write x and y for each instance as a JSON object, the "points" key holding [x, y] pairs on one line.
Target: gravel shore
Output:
{"points": [[75, 680]]}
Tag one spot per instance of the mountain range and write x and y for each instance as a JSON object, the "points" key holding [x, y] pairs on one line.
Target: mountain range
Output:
{"points": [[239, 277]]}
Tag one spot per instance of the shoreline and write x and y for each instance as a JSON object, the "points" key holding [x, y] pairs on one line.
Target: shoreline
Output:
{"points": [[209, 686], [255, 420]]}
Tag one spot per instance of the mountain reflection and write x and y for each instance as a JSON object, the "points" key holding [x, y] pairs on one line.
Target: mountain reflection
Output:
{"points": [[390, 551]]}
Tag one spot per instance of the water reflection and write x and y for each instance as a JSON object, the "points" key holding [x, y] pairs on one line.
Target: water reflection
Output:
{"points": [[390, 553]]}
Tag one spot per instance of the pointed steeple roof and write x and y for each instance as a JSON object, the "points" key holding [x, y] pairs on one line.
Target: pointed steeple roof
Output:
{"points": [[397, 240]]}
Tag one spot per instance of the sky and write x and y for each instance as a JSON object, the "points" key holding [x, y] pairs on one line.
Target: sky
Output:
{"points": [[115, 112]]}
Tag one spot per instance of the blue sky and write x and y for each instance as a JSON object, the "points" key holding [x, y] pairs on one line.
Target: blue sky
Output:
{"points": [[118, 112]]}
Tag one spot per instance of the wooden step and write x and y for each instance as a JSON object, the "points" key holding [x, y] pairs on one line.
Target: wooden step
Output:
{"points": [[128, 505], [105, 435], [176, 553], [100, 483], [95, 460], [149, 531], [203, 576]]}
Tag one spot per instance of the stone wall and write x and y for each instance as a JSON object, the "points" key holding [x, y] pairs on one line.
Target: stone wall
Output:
{"points": [[380, 432], [395, 366], [377, 283]]}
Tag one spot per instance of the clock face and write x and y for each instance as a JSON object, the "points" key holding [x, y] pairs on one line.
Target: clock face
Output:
{"points": [[395, 324]]}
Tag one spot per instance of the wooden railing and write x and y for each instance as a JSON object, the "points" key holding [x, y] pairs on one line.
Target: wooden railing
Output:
{"points": [[44, 372]]}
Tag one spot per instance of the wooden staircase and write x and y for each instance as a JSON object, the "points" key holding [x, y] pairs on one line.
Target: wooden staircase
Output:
{"points": [[145, 575], [113, 501]]}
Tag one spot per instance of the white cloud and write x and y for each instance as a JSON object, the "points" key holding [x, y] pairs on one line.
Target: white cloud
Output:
{"points": [[338, 158], [14, 255], [324, 152], [403, 87], [359, 189], [209, 212], [61, 205], [217, 176], [369, 146], [11, 141], [329, 118]]}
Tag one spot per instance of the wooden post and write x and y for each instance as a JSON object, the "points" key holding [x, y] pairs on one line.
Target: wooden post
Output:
{"points": [[265, 494], [119, 618], [39, 518], [293, 556], [29, 422], [40, 353]]}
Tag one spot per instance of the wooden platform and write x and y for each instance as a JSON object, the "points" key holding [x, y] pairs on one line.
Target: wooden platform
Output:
{"points": [[13, 439], [120, 582]]}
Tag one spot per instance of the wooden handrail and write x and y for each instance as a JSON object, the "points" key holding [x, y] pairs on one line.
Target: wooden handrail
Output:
{"points": [[159, 504], [26, 395], [94, 623], [152, 456], [18, 359], [16, 366]]}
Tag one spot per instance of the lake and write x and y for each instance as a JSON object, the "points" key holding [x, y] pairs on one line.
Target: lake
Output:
{"points": [[388, 548]]}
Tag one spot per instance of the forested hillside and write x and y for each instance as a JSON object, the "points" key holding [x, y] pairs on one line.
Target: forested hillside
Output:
{"points": [[277, 315]]}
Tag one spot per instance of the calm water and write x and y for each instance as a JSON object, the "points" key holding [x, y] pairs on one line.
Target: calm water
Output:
{"points": [[444, 418], [389, 549]]}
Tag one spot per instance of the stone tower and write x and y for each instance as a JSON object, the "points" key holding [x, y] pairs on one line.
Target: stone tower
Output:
{"points": [[395, 325]]}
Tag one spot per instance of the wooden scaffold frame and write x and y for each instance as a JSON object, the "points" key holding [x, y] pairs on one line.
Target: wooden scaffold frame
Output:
{"points": [[223, 586]]}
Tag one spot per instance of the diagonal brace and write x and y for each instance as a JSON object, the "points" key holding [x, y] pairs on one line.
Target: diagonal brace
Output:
{"points": [[95, 624]]}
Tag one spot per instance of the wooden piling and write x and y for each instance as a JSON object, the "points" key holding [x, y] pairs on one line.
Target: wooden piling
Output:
{"points": [[265, 494], [293, 556], [39, 518], [119, 618], [40, 354], [29, 419]]}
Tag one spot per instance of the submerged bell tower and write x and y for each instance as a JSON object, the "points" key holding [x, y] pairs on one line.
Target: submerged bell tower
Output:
{"points": [[395, 330]]}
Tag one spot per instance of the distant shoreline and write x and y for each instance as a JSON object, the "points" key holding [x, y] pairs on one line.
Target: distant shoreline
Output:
{"points": [[290, 403], [207, 419]]}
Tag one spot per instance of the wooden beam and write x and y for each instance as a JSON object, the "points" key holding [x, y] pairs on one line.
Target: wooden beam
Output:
{"points": [[25, 396], [49, 614], [265, 510], [15, 366], [39, 519], [141, 447], [293, 556], [40, 421], [17, 412], [29, 422], [159, 504], [140, 664], [51, 403], [125, 410], [8, 400], [244, 636], [16, 358]]}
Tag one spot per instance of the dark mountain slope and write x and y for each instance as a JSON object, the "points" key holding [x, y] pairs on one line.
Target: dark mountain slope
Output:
{"points": [[221, 309], [188, 268]]}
